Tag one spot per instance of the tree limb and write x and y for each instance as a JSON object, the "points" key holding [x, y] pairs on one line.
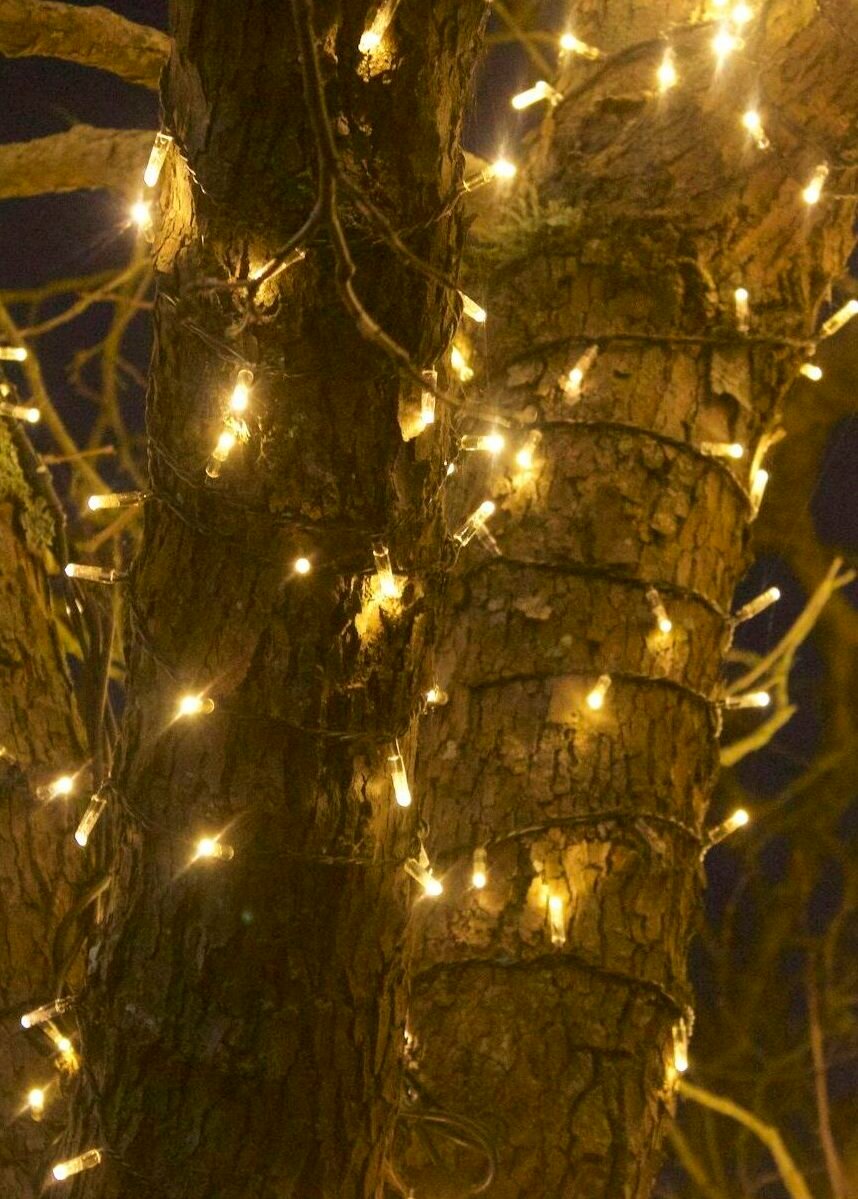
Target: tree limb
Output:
{"points": [[91, 36], [81, 158]]}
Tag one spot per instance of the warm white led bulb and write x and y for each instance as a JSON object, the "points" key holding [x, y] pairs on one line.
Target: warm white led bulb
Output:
{"points": [[194, 705], [753, 699], [723, 449], [157, 155], [36, 1102], [810, 371], [741, 14], [596, 697], [754, 124], [738, 820], [225, 445], [20, 412], [472, 309], [480, 871], [665, 624], [427, 398], [572, 382], [90, 818], [502, 168], [524, 457], [436, 697], [570, 44], [680, 1046], [93, 574], [76, 1165], [813, 191], [541, 90], [460, 365], [240, 397], [763, 601], [474, 523], [419, 870], [387, 582], [666, 73], [557, 919], [725, 42], [491, 443], [58, 787], [13, 354], [369, 41], [302, 566], [213, 849], [838, 319], [116, 499], [141, 213], [758, 486], [401, 790], [41, 1015]]}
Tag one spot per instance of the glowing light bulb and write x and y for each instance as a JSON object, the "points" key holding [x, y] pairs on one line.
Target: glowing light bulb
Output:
{"points": [[460, 365], [427, 398], [116, 499], [839, 318], [666, 74], [491, 443], [41, 1015], [93, 574], [665, 624], [90, 818], [541, 90], [480, 872], [302, 566], [472, 309], [214, 850], [369, 41], [758, 487], [401, 790], [475, 522], [387, 583], [723, 449], [420, 871], [76, 1165], [140, 213], [813, 191], [741, 14], [754, 125], [240, 397], [36, 1102], [225, 445], [741, 300], [13, 354], [194, 705], [20, 412], [680, 1046], [157, 155], [753, 699], [557, 919], [725, 42], [58, 787], [524, 457], [596, 697], [763, 601], [810, 371], [502, 168], [570, 44], [738, 820], [572, 382], [437, 697]]}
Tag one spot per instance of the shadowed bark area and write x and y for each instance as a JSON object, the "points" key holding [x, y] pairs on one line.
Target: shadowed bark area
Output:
{"points": [[243, 1019], [40, 866], [641, 216]]}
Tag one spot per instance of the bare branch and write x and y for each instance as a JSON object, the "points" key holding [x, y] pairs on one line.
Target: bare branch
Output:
{"points": [[83, 157], [833, 1164], [792, 1177], [91, 36]]}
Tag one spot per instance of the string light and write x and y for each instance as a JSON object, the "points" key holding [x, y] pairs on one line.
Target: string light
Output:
{"points": [[76, 1165], [13, 354], [725, 42], [214, 850], [480, 871], [810, 371], [491, 443], [758, 487], [525, 455], [723, 449], [570, 44], [47, 1011], [36, 1102], [460, 365], [20, 412], [813, 191], [240, 397], [116, 499], [738, 820], [419, 869], [369, 41], [140, 213], [557, 919], [401, 790], [839, 318], [387, 584], [90, 818], [157, 156], [596, 697], [501, 168], [755, 606], [472, 309], [541, 90], [427, 398], [572, 382], [64, 785], [302, 566], [741, 14], [61, 1043], [224, 447], [680, 1046], [194, 705], [753, 699], [666, 74], [754, 125], [741, 299], [475, 523], [93, 574], [276, 268], [665, 624], [436, 697]]}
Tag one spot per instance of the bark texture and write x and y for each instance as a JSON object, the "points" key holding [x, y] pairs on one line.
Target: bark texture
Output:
{"points": [[243, 1021], [641, 216], [89, 35], [79, 159]]}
